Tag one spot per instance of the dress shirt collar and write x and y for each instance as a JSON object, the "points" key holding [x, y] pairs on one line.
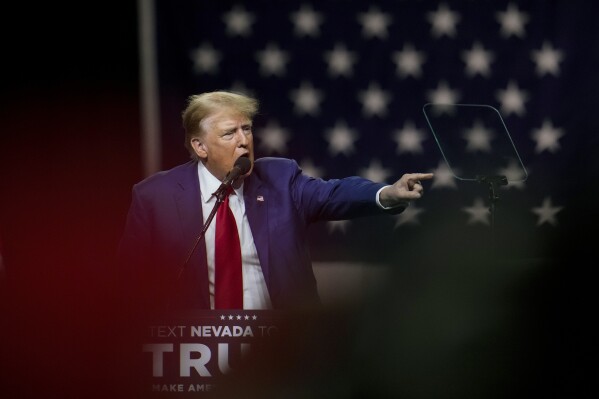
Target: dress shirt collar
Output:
{"points": [[209, 184]]}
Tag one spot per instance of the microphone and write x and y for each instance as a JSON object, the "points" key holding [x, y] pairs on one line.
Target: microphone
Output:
{"points": [[241, 167]]}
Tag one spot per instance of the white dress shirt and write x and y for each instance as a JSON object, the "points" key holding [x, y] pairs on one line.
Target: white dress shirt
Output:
{"points": [[255, 292]]}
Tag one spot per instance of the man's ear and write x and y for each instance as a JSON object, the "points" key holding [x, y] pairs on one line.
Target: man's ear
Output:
{"points": [[199, 148]]}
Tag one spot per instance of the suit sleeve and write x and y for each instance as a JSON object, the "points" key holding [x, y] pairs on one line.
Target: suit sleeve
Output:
{"points": [[336, 199], [136, 272]]}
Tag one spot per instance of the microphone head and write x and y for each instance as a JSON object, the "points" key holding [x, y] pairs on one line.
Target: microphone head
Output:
{"points": [[243, 164]]}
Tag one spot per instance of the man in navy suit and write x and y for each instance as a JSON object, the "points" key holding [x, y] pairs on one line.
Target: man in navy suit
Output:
{"points": [[274, 203]]}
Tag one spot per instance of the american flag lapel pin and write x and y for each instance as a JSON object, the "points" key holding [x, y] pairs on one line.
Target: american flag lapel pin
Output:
{"points": [[260, 198]]}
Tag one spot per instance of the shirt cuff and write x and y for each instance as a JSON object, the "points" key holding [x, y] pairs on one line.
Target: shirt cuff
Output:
{"points": [[401, 204]]}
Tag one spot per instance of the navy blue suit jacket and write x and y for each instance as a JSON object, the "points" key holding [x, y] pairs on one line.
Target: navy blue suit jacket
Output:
{"points": [[165, 219]]}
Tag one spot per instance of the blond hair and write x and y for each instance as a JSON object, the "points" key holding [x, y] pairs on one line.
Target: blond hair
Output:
{"points": [[201, 106]]}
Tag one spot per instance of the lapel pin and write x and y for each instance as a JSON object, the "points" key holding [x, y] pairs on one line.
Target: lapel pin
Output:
{"points": [[260, 198]]}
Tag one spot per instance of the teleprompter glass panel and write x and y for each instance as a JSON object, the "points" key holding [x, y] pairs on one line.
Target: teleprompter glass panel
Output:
{"points": [[474, 141]]}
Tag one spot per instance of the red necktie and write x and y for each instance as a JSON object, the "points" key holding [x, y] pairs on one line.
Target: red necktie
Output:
{"points": [[228, 282]]}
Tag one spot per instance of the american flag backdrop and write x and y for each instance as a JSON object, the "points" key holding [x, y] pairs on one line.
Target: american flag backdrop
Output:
{"points": [[342, 85]]}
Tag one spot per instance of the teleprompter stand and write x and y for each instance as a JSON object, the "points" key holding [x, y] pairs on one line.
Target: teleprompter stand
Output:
{"points": [[493, 182]]}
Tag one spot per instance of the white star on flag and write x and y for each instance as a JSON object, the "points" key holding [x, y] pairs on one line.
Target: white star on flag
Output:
{"points": [[272, 60], [341, 139], [273, 138], [512, 99], [478, 60], [443, 97], [547, 137], [443, 21], [205, 59], [546, 212], [408, 216], [443, 177], [512, 21], [306, 21], [514, 174], [309, 169], [240, 87], [374, 100], [478, 138], [479, 213], [340, 61], [547, 59], [409, 61], [375, 172], [374, 23], [409, 138], [306, 99], [239, 21]]}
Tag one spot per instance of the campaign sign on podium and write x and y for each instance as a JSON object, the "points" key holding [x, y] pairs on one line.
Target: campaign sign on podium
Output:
{"points": [[189, 354]]}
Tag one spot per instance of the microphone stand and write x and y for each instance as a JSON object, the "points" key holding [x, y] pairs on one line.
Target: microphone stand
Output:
{"points": [[220, 195]]}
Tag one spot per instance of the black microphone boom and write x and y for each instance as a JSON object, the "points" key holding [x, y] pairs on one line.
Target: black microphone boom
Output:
{"points": [[241, 167]]}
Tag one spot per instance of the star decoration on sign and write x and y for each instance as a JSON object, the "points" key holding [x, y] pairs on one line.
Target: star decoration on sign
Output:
{"points": [[512, 21], [409, 139], [478, 138], [443, 177], [546, 212], [341, 139], [547, 137], [272, 60], [547, 59], [306, 99], [374, 23], [238, 21], [409, 61], [338, 225], [273, 138], [341, 61], [512, 99], [408, 216], [375, 172], [478, 60], [443, 21], [478, 212], [306, 21], [443, 97], [205, 59], [374, 100], [309, 169], [515, 175]]}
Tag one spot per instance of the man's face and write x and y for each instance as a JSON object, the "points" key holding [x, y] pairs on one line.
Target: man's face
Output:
{"points": [[227, 136]]}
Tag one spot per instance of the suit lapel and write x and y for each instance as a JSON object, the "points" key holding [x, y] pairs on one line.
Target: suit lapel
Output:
{"points": [[189, 208], [256, 198]]}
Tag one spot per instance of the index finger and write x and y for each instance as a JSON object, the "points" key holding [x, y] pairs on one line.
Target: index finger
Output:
{"points": [[420, 176]]}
